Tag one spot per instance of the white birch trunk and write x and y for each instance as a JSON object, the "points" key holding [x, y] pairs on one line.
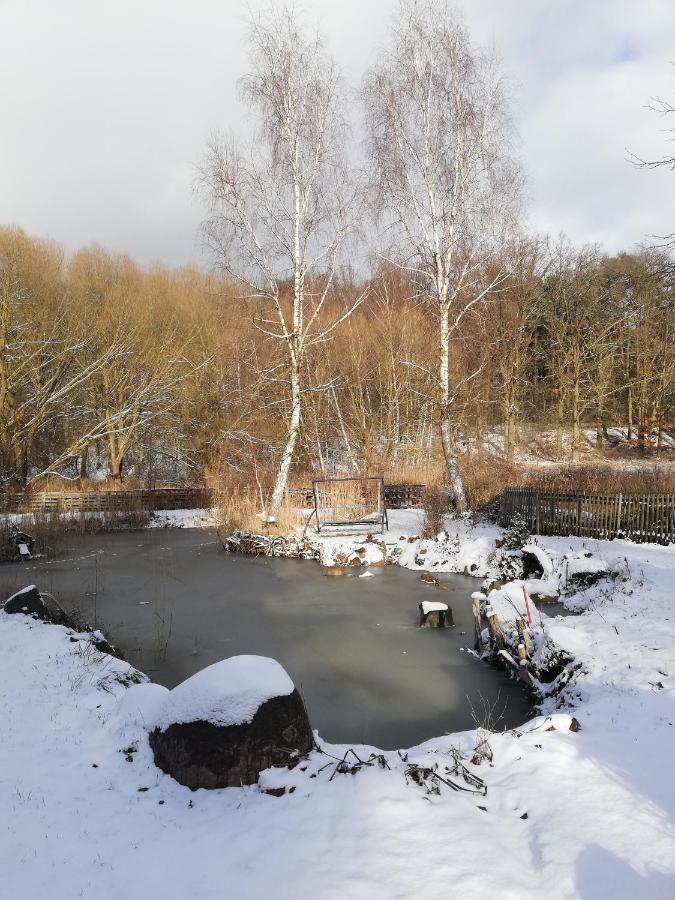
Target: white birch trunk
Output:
{"points": [[291, 440], [447, 438]]}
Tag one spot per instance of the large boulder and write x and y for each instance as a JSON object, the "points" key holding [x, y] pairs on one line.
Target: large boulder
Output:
{"points": [[227, 723], [32, 603]]}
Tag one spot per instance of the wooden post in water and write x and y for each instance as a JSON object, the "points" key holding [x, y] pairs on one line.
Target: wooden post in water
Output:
{"points": [[495, 629], [476, 598], [523, 634]]}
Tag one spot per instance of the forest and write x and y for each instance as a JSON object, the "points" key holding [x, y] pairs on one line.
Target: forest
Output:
{"points": [[108, 370], [389, 316]]}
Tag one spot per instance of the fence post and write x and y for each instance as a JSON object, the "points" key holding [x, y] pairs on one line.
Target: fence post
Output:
{"points": [[618, 512]]}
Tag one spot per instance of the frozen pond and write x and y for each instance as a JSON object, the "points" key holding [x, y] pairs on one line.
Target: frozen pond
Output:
{"points": [[173, 601]]}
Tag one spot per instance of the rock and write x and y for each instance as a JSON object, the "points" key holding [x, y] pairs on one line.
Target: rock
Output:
{"points": [[246, 716], [334, 571], [32, 603], [584, 569], [543, 594], [428, 579], [103, 645]]}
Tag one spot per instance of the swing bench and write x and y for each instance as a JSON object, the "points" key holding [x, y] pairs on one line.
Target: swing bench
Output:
{"points": [[350, 503]]}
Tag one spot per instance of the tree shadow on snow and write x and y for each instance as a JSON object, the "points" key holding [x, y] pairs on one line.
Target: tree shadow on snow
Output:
{"points": [[600, 874]]}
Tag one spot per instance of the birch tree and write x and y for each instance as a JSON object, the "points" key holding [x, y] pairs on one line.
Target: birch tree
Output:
{"points": [[279, 214], [446, 183]]}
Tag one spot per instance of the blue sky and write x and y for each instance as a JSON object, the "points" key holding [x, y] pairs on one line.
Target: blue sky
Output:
{"points": [[105, 108]]}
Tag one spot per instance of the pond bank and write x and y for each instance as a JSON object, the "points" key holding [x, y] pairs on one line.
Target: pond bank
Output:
{"points": [[570, 814]]}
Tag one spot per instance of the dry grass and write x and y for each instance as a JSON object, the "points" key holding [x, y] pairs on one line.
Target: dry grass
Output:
{"points": [[52, 529], [54, 485], [410, 469], [484, 475], [240, 507], [599, 479], [345, 501], [436, 505]]}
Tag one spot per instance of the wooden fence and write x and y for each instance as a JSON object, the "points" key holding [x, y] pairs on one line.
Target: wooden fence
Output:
{"points": [[108, 501], [640, 517]]}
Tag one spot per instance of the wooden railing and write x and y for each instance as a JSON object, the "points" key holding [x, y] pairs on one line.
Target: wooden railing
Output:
{"points": [[108, 501], [641, 517], [403, 496], [396, 496]]}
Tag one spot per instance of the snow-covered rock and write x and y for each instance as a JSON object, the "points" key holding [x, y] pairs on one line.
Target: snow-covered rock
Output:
{"points": [[584, 568], [229, 722], [228, 692], [31, 602]]}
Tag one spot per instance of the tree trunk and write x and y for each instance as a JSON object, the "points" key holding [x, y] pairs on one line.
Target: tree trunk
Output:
{"points": [[447, 437], [293, 430], [84, 461]]}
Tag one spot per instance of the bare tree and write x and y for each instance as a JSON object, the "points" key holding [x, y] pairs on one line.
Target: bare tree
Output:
{"points": [[439, 143], [666, 109], [279, 215]]}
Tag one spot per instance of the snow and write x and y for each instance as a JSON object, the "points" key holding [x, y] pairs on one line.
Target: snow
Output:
{"points": [[183, 518], [433, 606], [466, 546], [228, 692], [25, 590], [584, 564], [587, 814], [543, 558]]}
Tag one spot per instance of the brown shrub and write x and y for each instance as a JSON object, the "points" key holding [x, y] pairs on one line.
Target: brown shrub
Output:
{"points": [[240, 507], [598, 479], [436, 501]]}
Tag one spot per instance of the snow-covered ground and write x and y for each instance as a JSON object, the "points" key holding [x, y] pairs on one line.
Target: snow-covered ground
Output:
{"points": [[537, 447], [183, 518], [587, 813]]}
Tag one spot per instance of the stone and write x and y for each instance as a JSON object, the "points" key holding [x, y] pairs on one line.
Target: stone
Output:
{"points": [[227, 723], [32, 603], [543, 594], [428, 579], [205, 755]]}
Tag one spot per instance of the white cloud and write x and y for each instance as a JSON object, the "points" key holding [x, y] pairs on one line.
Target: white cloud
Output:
{"points": [[105, 107]]}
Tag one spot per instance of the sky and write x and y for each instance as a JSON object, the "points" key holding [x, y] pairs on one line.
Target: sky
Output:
{"points": [[106, 106]]}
